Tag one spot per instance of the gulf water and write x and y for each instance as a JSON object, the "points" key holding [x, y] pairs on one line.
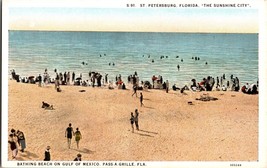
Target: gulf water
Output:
{"points": [[31, 52]]}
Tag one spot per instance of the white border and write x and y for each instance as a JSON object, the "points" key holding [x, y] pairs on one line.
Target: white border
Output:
{"points": [[257, 4]]}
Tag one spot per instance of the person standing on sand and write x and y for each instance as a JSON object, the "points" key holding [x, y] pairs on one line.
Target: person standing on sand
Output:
{"points": [[68, 133], [21, 140], [132, 121], [13, 146], [73, 76], [47, 154], [39, 80], [167, 86], [78, 137], [136, 119], [141, 99], [135, 89]]}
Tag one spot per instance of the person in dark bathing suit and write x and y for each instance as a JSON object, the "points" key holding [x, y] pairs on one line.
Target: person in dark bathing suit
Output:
{"points": [[68, 133], [141, 99], [136, 119], [47, 154], [132, 121]]}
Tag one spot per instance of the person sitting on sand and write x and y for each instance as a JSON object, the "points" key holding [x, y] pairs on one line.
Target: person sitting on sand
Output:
{"points": [[201, 85], [184, 88], [224, 88], [45, 105], [174, 87], [194, 85], [58, 89], [110, 86]]}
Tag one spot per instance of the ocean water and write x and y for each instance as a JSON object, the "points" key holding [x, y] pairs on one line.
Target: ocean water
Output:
{"points": [[31, 52]]}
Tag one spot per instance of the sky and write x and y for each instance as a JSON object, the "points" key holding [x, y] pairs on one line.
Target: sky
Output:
{"points": [[207, 20]]}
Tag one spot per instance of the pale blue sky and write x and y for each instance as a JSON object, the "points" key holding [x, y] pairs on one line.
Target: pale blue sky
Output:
{"points": [[237, 20]]}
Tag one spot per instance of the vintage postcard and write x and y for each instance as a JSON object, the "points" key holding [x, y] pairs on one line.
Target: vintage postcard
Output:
{"points": [[133, 83]]}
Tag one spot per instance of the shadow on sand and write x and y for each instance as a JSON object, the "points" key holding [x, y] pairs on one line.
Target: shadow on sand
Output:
{"points": [[85, 150], [143, 134], [148, 107], [27, 154], [150, 132]]}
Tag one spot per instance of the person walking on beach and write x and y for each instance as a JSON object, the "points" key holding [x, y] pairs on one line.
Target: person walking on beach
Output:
{"points": [[21, 140], [132, 121], [78, 137], [136, 119], [13, 146], [141, 99], [47, 154], [68, 133], [135, 89], [78, 158], [178, 67]]}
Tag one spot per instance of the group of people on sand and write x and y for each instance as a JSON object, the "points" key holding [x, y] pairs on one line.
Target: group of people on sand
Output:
{"points": [[16, 140], [69, 133], [134, 120], [47, 155], [208, 83]]}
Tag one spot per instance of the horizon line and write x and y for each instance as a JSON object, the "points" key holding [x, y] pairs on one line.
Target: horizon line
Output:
{"points": [[95, 31]]}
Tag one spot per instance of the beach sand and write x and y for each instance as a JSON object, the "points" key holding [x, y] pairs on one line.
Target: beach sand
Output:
{"points": [[170, 128]]}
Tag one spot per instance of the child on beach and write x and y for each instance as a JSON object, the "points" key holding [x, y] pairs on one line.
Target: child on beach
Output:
{"points": [[47, 154], [78, 158], [132, 121], [68, 133], [78, 137]]}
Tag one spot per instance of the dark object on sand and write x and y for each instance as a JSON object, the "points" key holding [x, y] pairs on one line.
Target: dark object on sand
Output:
{"points": [[81, 90], [147, 84], [207, 98], [190, 103], [45, 105]]}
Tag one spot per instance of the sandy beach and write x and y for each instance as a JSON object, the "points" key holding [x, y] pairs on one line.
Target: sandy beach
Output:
{"points": [[170, 128]]}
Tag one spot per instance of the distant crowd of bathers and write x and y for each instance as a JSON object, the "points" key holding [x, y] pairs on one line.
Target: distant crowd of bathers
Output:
{"points": [[208, 83]]}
